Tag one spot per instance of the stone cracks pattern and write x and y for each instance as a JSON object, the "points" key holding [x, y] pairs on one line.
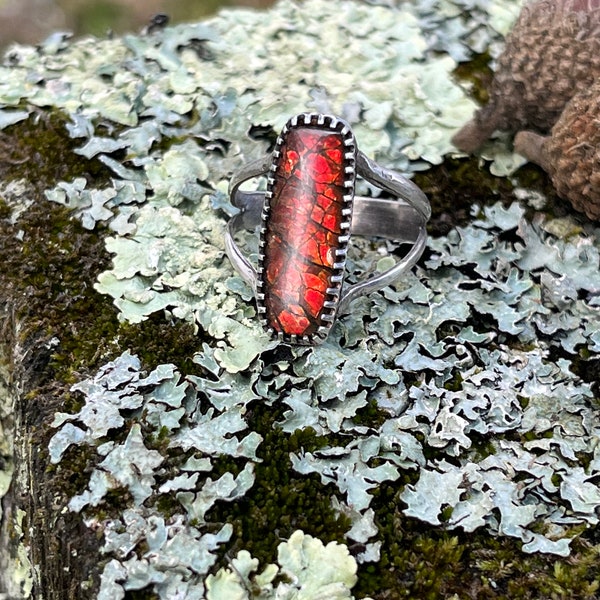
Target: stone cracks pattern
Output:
{"points": [[304, 230]]}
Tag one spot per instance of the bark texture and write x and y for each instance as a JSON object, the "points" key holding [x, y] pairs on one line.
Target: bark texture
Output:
{"points": [[45, 550]]}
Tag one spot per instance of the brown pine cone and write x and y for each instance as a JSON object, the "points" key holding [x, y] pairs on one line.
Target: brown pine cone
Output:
{"points": [[571, 154], [552, 53]]}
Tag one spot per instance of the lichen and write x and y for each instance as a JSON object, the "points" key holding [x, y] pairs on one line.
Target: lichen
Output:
{"points": [[430, 422], [312, 570], [18, 572], [202, 432], [439, 434]]}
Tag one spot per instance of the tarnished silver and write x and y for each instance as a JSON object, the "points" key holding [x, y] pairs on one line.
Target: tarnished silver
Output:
{"points": [[402, 219]]}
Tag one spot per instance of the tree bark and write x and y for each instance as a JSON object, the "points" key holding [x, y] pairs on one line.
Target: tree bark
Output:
{"points": [[45, 550]]}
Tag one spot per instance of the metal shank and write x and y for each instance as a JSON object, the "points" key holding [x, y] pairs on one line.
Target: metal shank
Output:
{"points": [[403, 220]]}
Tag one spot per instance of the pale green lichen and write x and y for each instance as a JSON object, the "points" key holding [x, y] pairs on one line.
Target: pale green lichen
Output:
{"points": [[173, 261], [6, 437], [479, 341], [133, 466], [17, 576], [157, 400], [314, 572], [333, 383], [150, 75]]}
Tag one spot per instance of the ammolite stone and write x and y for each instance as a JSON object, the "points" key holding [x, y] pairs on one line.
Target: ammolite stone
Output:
{"points": [[304, 225]]}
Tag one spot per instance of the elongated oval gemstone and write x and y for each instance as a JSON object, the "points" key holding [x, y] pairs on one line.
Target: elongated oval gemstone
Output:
{"points": [[305, 224]]}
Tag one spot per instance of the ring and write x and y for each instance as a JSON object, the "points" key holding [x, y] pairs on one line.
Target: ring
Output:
{"points": [[306, 217]]}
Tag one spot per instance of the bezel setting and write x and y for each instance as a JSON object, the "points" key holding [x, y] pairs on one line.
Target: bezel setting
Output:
{"points": [[326, 316]]}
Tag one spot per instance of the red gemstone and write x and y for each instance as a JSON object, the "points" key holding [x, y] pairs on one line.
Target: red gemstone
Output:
{"points": [[303, 228]]}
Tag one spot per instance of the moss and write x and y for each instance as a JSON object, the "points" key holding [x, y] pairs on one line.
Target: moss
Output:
{"points": [[281, 500], [481, 446], [144, 594], [370, 415], [43, 276], [158, 341], [43, 271], [41, 145], [64, 330], [454, 384], [53, 266], [458, 184], [478, 74], [588, 369], [420, 562], [416, 562], [455, 186], [5, 211]]}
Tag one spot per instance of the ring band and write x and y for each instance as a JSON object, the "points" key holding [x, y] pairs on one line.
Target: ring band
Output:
{"points": [[306, 217]]}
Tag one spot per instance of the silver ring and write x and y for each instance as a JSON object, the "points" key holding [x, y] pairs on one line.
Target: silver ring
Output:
{"points": [[306, 217]]}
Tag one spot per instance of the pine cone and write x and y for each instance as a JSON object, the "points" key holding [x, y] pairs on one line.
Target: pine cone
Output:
{"points": [[571, 154], [552, 53]]}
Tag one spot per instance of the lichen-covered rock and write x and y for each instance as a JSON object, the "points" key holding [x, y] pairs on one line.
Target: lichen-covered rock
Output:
{"points": [[170, 435], [552, 53], [571, 154]]}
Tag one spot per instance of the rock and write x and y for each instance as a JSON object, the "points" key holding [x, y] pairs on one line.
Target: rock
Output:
{"points": [[552, 53], [100, 126], [156, 432], [570, 153]]}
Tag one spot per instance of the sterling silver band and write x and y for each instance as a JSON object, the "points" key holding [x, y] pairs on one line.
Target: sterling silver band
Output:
{"points": [[402, 219]]}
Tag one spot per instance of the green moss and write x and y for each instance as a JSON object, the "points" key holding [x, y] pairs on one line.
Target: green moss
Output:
{"points": [[533, 177], [481, 446], [40, 150], [64, 328], [454, 384], [280, 500], [5, 211], [415, 562], [144, 594], [48, 277], [48, 272], [420, 562], [455, 186], [370, 415], [158, 341], [478, 74], [53, 267]]}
